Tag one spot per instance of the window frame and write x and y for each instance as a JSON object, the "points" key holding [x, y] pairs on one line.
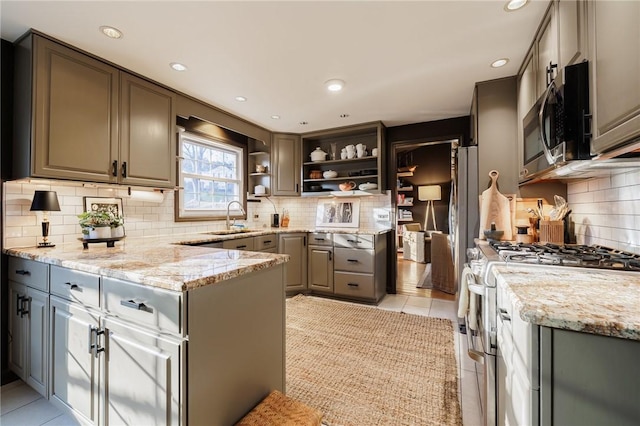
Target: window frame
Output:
{"points": [[182, 215]]}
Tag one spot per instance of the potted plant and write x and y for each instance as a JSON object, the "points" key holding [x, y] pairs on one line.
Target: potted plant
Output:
{"points": [[117, 226], [95, 224]]}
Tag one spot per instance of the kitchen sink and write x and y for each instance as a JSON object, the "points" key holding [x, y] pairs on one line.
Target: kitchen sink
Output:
{"points": [[229, 231]]}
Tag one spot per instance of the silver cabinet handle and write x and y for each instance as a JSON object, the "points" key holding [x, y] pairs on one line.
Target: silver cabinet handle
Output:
{"points": [[140, 306], [94, 347], [22, 272], [504, 316]]}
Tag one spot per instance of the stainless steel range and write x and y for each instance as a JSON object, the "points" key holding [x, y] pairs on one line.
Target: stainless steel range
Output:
{"points": [[482, 339], [568, 255]]}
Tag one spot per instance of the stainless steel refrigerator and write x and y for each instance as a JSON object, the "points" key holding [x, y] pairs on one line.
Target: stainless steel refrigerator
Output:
{"points": [[464, 207]]}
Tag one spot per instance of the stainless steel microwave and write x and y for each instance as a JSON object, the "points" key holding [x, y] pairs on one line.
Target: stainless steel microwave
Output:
{"points": [[557, 129]]}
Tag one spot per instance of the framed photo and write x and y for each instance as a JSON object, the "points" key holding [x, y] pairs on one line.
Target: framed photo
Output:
{"points": [[104, 204], [338, 213]]}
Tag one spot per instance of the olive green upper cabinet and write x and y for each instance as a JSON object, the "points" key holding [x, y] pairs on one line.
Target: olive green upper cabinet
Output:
{"points": [[79, 118], [572, 32], [147, 136], [615, 90], [286, 167], [546, 45]]}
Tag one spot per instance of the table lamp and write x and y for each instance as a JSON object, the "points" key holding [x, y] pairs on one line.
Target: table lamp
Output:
{"points": [[45, 202], [429, 193]]}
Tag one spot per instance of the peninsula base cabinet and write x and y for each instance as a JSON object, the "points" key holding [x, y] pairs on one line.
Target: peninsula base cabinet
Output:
{"points": [[125, 353], [550, 377], [28, 322]]}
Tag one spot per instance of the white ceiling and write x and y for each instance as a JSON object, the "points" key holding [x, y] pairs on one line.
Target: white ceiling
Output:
{"points": [[403, 62]]}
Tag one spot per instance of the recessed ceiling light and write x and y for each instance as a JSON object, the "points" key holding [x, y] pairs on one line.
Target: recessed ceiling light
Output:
{"points": [[275, 117], [334, 85], [111, 32], [304, 123], [499, 62], [178, 66], [241, 99], [515, 5], [344, 115]]}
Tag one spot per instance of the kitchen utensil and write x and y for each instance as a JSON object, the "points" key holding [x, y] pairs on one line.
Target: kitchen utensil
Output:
{"points": [[329, 174], [367, 186], [495, 208], [318, 155], [347, 186], [315, 174]]}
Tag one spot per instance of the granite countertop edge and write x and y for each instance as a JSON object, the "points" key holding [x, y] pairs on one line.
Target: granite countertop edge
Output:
{"points": [[170, 262], [585, 300]]}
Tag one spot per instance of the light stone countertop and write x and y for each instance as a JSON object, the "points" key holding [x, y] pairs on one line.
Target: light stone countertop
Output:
{"points": [[165, 261], [587, 300]]}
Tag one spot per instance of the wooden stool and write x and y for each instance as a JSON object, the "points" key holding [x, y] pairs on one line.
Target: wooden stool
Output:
{"points": [[280, 410]]}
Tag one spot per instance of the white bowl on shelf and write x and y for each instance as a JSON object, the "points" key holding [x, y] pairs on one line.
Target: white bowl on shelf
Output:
{"points": [[368, 186], [329, 174]]}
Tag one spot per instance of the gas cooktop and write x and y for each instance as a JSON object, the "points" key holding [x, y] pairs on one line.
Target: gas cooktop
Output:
{"points": [[594, 256]]}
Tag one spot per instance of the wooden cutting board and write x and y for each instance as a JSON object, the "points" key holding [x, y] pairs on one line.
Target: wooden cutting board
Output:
{"points": [[495, 207]]}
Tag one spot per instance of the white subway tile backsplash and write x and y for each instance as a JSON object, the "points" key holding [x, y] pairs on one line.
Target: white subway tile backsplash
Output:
{"points": [[606, 211], [22, 227]]}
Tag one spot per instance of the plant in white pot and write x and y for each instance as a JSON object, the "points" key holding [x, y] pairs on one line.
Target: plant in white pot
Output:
{"points": [[95, 224], [117, 226]]}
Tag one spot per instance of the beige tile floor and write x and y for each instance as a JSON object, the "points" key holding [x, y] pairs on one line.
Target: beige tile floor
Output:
{"points": [[21, 405]]}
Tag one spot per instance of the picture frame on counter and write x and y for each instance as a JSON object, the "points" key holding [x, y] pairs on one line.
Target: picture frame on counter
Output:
{"points": [[334, 213]]}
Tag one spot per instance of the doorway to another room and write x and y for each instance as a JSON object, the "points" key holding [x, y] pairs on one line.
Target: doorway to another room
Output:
{"points": [[424, 176]]}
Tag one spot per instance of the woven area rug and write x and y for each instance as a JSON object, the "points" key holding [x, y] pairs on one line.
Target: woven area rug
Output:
{"points": [[361, 365]]}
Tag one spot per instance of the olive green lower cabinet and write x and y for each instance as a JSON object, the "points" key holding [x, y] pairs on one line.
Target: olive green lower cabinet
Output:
{"points": [[124, 353]]}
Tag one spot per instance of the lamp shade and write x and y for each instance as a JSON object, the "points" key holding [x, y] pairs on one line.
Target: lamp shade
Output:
{"points": [[45, 201], [429, 192]]}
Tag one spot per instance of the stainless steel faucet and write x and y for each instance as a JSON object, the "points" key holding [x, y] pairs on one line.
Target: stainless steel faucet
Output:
{"points": [[228, 206]]}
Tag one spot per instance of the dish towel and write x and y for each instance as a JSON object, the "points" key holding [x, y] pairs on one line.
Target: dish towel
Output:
{"points": [[467, 304]]}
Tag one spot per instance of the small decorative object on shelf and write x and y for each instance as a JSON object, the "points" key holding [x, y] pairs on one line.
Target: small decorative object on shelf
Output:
{"points": [[318, 155]]}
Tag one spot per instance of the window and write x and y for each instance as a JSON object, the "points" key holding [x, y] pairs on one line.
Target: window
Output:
{"points": [[210, 177]]}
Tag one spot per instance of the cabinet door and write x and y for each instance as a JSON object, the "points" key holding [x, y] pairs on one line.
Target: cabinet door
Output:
{"points": [[617, 72], [295, 270], [37, 344], [17, 330], [75, 114], [526, 99], [141, 377], [286, 166], [73, 380], [147, 137], [321, 269], [547, 48], [572, 34]]}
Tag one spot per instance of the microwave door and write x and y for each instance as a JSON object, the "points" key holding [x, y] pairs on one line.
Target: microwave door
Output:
{"points": [[546, 123]]}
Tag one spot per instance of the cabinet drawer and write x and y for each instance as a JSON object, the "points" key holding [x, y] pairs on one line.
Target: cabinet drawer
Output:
{"points": [[29, 272], [76, 286], [353, 241], [354, 285], [239, 244], [265, 242], [320, 239], [156, 308], [353, 260]]}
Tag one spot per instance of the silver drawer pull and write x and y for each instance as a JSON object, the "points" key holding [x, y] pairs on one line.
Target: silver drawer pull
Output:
{"points": [[318, 239], [352, 260], [353, 284], [504, 316], [140, 306], [72, 286], [354, 241], [22, 272]]}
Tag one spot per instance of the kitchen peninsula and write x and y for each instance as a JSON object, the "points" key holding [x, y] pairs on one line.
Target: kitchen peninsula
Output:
{"points": [[150, 331]]}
